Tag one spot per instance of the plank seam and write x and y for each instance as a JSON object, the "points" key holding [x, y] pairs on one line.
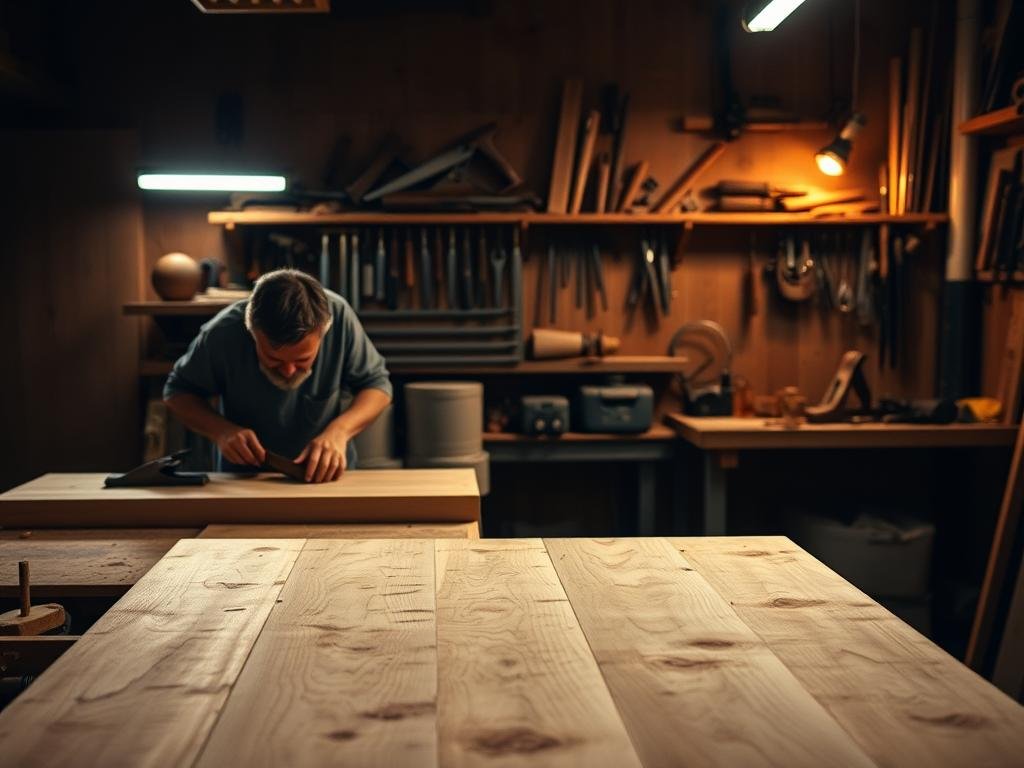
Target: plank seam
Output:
{"points": [[600, 669], [822, 705], [231, 688]]}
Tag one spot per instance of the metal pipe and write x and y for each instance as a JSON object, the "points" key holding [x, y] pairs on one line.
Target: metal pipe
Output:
{"points": [[23, 583], [963, 148]]}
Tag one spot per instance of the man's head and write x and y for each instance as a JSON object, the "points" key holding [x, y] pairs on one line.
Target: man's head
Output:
{"points": [[287, 315]]}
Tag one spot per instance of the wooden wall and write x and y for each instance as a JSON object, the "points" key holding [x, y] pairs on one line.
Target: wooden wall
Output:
{"points": [[72, 236], [428, 71]]}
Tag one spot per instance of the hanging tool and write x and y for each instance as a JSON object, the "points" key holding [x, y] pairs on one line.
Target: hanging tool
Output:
{"points": [[664, 278], [467, 271], [865, 265], [325, 259], [596, 269], [844, 293], [410, 270], [552, 286], [481, 268], [796, 276], [517, 272], [379, 267], [368, 275], [581, 276], [426, 284], [439, 283], [394, 281], [498, 259], [343, 265], [354, 267], [645, 278], [451, 271]]}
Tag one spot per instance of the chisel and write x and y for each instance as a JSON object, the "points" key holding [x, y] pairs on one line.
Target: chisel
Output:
{"points": [[378, 267], [394, 280], [325, 259], [596, 269], [367, 269], [664, 279], [426, 285], [410, 270], [353, 276], [552, 285], [517, 271], [498, 259], [481, 271], [451, 272], [343, 265], [438, 266], [467, 271]]}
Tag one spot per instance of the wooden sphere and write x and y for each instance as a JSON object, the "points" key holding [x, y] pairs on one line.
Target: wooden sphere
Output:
{"points": [[176, 277]]}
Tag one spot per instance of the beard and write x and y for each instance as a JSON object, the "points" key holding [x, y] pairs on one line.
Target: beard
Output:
{"points": [[281, 382]]}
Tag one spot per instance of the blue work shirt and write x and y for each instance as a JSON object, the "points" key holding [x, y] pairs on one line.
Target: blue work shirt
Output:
{"points": [[221, 361]]}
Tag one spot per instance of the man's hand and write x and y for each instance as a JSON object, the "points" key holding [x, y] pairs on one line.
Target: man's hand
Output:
{"points": [[241, 446], [324, 457]]}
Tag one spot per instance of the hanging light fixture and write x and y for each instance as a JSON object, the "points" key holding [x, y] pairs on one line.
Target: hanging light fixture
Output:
{"points": [[832, 158], [766, 16], [211, 182]]}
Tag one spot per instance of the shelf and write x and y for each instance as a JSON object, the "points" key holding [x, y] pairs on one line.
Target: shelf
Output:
{"points": [[656, 432], [624, 364], [1002, 122], [606, 366], [363, 218]]}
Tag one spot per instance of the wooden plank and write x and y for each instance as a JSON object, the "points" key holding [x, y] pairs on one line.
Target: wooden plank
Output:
{"points": [[565, 146], [345, 671], [583, 164], [517, 684], [145, 685], [32, 655], [730, 433], [171, 535], [683, 668], [1008, 673], [632, 187], [685, 182], [361, 496], [1003, 539], [91, 567], [903, 699], [895, 99], [1011, 366], [1003, 122], [345, 531]]}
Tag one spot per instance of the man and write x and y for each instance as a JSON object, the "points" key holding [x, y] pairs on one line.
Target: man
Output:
{"points": [[280, 362]]}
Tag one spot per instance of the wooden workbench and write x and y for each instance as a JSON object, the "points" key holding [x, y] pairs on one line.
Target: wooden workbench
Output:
{"points": [[364, 496], [569, 652], [722, 438]]}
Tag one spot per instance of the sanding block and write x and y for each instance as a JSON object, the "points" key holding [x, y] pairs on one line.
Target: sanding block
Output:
{"points": [[278, 463]]}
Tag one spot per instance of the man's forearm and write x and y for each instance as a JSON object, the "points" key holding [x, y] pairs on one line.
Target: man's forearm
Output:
{"points": [[366, 407], [198, 415]]}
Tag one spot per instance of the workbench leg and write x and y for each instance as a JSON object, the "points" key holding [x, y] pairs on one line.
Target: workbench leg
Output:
{"points": [[645, 498], [715, 497]]}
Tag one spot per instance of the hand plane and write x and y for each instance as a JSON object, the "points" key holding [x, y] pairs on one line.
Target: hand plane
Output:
{"points": [[162, 471]]}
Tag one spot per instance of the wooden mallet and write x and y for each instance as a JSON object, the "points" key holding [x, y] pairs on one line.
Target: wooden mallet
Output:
{"points": [[29, 619]]}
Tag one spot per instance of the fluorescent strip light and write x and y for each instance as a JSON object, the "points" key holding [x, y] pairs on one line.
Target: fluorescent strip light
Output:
{"points": [[211, 182], [773, 14]]}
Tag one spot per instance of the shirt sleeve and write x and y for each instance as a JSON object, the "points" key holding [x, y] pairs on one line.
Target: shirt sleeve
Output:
{"points": [[197, 372], [364, 366]]}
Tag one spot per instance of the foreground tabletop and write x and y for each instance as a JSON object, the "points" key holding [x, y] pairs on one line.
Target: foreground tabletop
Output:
{"points": [[615, 652], [364, 496]]}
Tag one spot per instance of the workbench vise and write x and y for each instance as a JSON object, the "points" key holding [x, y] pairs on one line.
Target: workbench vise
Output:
{"points": [[162, 471]]}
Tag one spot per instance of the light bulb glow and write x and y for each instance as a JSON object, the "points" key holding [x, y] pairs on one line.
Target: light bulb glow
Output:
{"points": [[773, 14], [829, 164], [211, 182]]}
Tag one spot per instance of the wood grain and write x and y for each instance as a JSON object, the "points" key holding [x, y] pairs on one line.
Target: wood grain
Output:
{"points": [[380, 495], [518, 685], [150, 677], [730, 433], [902, 699], [345, 671], [345, 531], [693, 683], [76, 568]]}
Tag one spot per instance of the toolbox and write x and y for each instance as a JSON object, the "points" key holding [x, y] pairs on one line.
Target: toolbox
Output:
{"points": [[614, 408]]}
